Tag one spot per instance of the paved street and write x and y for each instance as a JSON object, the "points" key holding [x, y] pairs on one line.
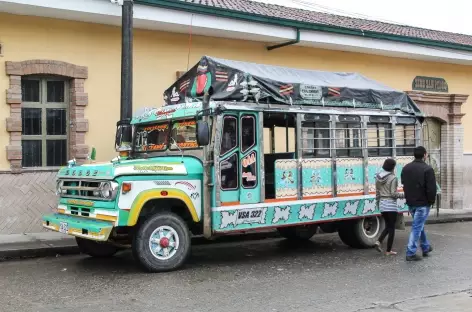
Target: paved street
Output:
{"points": [[266, 275]]}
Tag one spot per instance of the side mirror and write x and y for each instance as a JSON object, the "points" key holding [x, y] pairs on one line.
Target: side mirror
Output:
{"points": [[123, 137], [203, 133]]}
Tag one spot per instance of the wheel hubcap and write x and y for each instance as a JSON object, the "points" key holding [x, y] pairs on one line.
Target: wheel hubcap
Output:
{"points": [[164, 242], [371, 227]]}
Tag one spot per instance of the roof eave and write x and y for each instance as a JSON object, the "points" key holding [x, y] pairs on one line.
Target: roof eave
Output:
{"points": [[222, 12]]}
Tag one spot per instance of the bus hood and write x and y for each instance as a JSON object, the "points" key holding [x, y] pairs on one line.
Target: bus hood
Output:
{"points": [[151, 166]]}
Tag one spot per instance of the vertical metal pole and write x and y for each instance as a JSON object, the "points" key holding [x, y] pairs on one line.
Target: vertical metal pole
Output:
{"points": [[207, 181], [260, 132], [393, 134], [126, 103], [365, 153], [299, 154], [334, 175], [286, 134]]}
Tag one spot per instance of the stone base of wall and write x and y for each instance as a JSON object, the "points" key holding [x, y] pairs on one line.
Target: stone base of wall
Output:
{"points": [[24, 198]]}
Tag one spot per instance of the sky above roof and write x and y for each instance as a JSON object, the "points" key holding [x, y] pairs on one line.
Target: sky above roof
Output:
{"points": [[451, 15]]}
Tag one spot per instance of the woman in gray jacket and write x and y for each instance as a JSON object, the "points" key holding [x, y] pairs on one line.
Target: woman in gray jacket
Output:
{"points": [[386, 185]]}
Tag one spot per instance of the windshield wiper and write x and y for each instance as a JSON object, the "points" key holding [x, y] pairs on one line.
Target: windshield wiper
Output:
{"points": [[178, 147]]}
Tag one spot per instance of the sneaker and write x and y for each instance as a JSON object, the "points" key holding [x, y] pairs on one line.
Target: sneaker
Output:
{"points": [[413, 258], [377, 246], [391, 253], [426, 253]]}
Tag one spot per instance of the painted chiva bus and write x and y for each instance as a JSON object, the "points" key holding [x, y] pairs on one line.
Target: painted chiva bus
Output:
{"points": [[241, 147]]}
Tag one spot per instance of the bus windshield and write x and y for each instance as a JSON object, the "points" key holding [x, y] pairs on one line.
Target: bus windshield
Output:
{"points": [[152, 137], [175, 135], [184, 135]]}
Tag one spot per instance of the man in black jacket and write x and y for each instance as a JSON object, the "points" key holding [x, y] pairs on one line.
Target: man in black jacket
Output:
{"points": [[419, 186]]}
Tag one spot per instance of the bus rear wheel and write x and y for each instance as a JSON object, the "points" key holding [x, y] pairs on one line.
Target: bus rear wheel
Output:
{"points": [[96, 249], [361, 233], [162, 243], [301, 232]]}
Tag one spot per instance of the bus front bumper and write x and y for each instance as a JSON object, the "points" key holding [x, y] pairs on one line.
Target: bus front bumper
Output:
{"points": [[81, 227]]}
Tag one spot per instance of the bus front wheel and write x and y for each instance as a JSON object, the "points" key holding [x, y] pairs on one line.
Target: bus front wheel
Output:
{"points": [[361, 233], [162, 242]]}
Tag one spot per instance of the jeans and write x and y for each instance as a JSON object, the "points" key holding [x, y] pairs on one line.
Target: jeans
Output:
{"points": [[420, 214]]}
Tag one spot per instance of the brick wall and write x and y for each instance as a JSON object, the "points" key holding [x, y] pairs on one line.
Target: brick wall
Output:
{"points": [[467, 173], [452, 166], [24, 199]]}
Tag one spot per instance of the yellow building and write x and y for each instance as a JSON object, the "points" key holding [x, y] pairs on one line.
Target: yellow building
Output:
{"points": [[60, 69]]}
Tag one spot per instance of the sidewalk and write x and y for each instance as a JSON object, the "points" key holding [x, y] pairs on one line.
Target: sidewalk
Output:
{"points": [[48, 244]]}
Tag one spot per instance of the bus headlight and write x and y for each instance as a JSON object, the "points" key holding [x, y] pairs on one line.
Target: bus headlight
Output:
{"points": [[108, 190]]}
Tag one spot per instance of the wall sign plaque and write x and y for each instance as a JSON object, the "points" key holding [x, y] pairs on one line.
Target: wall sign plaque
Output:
{"points": [[433, 84]]}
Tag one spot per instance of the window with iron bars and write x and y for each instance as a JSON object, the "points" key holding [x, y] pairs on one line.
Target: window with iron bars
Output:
{"points": [[379, 136], [350, 138], [348, 134], [318, 142], [45, 116], [405, 139], [316, 136]]}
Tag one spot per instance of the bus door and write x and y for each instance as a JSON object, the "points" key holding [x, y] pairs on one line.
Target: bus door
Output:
{"points": [[238, 160], [249, 159]]}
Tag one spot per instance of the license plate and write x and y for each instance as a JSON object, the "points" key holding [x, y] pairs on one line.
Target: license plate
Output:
{"points": [[63, 227], [254, 215]]}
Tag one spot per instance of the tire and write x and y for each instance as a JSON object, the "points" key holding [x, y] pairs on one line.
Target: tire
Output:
{"points": [[329, 227], [157, 227], [96, 249], [301, 232], [361, 233]]}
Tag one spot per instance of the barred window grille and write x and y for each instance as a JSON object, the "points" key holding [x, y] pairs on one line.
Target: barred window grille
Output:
{"points": [[380, 139], [348, 137], [405, 139], [45, 116]]}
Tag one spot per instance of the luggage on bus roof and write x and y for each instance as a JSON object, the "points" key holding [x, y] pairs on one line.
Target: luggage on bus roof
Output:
{"points": [[257, 83]]}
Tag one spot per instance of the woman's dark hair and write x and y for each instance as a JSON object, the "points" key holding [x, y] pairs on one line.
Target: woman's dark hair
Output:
{"points": [[389, 164]]}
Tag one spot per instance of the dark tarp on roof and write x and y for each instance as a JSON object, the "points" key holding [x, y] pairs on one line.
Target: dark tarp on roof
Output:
{"points": [[257, 83]]}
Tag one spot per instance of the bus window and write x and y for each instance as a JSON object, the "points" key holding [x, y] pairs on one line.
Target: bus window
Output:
{"points": [[379, 136], [279, 143], [405, 139], [348, 136], [229, 139], [248, 132], [152, 138], [248, 140], [279, 133], [184, 135], [229, 165], [316, 136], [229, 173]]}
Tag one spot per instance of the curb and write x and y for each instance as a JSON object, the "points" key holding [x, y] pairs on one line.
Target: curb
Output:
{"points": [[448, 219], [72, 249], [38, 252]]}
